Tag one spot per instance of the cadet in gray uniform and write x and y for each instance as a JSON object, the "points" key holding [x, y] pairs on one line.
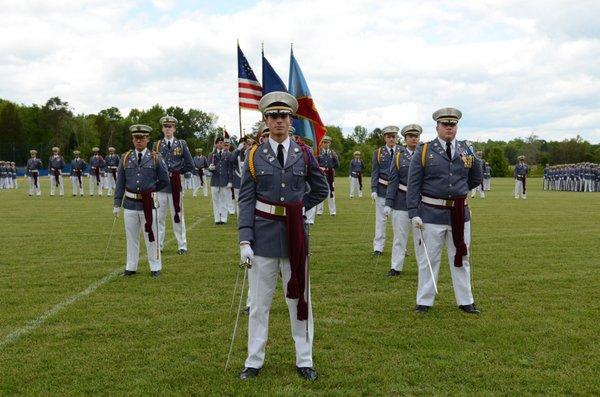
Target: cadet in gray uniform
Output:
{"points": [[232, 196], [97, 165], [329, 162], [380, 166], [273, 198], [179, 160], [239, 156], [441, 174], [33, 172], [141, 174], [520, 174], [13, 174], [4, 175], [112, 165], [487, 176], [77, 169], [199, 179], [357, 167], [56, 163], [395, 196], [221, 180]]}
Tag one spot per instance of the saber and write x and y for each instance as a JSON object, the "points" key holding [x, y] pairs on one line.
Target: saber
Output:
{"points": [[307, 282], [428, 261], [111, 231], [237, 279], [244, 265]]}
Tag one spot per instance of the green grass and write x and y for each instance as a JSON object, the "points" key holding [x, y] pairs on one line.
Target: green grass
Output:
{"points": [[536, 279]]}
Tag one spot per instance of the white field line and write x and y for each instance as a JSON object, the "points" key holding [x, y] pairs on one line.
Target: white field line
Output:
{"points": [[34, 324]]}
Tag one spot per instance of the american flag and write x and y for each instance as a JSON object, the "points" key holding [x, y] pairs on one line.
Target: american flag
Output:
{"points": [[250, 90]]}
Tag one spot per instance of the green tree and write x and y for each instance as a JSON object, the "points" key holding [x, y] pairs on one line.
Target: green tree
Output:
{"points": [[498, 162], [13, 141]]}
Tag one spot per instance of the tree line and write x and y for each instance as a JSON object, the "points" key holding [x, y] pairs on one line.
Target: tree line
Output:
{"points": [[37, 127]]}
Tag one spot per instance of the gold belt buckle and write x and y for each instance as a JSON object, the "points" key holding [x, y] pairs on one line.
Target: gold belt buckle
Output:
{"points": [[279, 211]]}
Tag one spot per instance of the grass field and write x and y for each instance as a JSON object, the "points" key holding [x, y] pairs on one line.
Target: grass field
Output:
{"points": [[69, 325]]}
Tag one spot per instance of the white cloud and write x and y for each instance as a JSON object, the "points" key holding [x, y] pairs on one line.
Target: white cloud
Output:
{"points": [[510, 69]]}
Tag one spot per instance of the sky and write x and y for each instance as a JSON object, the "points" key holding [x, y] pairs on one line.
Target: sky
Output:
{"points": [[513, 68]]}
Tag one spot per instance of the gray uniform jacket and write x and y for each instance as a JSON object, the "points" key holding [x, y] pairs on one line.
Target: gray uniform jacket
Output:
{"points": [[97, 162], [395, 197], [328, 160], [487, 171], [77, 164], [112, 160], [298, 181], [151, 174], [57, 163], [199, 162], [521, 170], [223, 172], [177, 159], [33, 164], [440, 178], [356, 167], [236, 165], [380, 167]]}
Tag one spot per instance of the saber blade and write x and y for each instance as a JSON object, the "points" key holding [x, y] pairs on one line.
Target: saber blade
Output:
{"points": [[246, 265], [428, 261]]}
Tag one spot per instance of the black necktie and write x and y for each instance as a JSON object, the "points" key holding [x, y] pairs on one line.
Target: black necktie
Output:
{"points": [[449, 150], [169, 144], [280, 154], [219, 154], [139, 158], [392, 152]]}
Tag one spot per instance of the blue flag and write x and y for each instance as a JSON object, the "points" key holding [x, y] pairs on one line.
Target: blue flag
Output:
{"points": [[270, 79]]}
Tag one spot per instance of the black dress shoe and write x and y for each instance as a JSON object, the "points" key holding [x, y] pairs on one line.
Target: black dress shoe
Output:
{"points": [[249, 373], [246, 310], [393, 273], [376, 253], [182, 251], [307, 373], [471, 309], [155, 273], [421, 309], [128, 273]]}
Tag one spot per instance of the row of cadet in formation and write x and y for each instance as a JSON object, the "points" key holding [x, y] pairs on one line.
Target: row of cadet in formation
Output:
{"points": [[580, 177], [8, 175]]}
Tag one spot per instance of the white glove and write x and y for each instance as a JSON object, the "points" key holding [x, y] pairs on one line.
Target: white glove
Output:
{"points": [[116, 211], [373, 195], [229, 184], [211, 167], [387, 210], [417, 222], [246, 252]]}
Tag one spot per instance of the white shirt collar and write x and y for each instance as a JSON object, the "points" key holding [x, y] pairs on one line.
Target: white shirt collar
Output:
{"points": [[443, 143], [170, 140], [275, 145], [143, 152]]}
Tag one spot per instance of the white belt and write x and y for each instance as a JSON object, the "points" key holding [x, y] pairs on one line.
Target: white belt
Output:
{"points": [[383, 182], [438, 202], [401, 187], [134, 196], [112, 167], [272, 209], [36, 171]]}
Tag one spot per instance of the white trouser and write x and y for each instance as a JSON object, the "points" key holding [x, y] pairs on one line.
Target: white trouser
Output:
{"points": [[197, 185], [478, 189], [264, 280], [95, 184], [110, 182], [61, 188], [15, 184], [435, 236], [232, 202], [330, 205], [219, 200], [32, 188], [355, 187], [380, 223], [401, 226], [77, 188], [519, 189], [134, 223], [166, 200], [310, 216], [487, 184]]}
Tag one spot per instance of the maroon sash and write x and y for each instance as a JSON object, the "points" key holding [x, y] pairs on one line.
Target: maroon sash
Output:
{"points": [[330, 174], [148, 205], [176, 191], [359, 176], [35, 179], [114, 173], [297, 252], [232, 194], [457, 221], [201, 175], [56, 175], [524, 179], [78, 175]]}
